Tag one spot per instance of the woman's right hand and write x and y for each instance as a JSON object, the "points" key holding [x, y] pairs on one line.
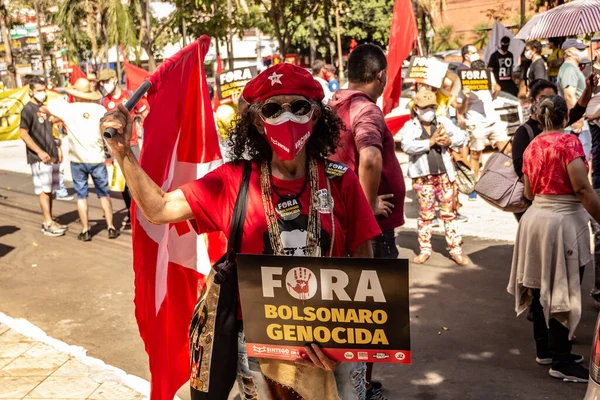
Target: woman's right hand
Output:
{"points": [[120, 119]]}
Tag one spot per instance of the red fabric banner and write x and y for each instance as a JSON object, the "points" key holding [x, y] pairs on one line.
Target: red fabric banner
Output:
{"points": [[134, 75], [170, 261], [403, 35], [76, 73]]}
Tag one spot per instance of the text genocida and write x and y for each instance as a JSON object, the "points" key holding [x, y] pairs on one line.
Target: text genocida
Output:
{"points": [[322, 334]]}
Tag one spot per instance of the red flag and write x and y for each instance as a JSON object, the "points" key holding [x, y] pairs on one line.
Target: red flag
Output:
{"points": [[403, 34], [170, 261], [76, 73], [134, 75]]}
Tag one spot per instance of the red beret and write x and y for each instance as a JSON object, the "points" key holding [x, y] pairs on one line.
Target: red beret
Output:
{"points": [[283, 79]]}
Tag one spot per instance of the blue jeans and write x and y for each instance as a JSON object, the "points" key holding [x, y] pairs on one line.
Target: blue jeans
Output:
{"points": [[350, 377], [99, 175]]}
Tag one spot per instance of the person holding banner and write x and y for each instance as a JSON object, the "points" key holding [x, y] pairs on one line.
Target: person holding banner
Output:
{"points": [[298, 203], [426, 139]]}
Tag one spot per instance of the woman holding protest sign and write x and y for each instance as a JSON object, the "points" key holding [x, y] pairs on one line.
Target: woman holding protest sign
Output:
{"points": [[298, 203]]}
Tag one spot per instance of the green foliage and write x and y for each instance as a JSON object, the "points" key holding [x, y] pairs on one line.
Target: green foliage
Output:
{"points": [[482, 32], [446, 39]]}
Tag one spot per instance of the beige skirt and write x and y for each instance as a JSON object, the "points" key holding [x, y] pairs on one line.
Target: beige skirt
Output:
{"points": [[553, 242]]}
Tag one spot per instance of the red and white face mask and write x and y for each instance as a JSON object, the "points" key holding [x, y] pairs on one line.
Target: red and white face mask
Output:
{"points": [[287, 134]]}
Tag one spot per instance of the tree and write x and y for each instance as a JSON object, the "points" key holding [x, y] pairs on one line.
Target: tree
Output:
{"points": [[285, 17], [499, 13], [4, 31], [481, 35], [446, 39], [548, 4], [106, 23], [426, 12]]}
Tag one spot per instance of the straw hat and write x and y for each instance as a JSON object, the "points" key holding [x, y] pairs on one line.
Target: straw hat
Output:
{"points": [[82, 90]]}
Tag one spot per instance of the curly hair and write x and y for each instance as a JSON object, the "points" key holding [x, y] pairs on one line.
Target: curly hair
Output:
{"points": [[247, 143]]}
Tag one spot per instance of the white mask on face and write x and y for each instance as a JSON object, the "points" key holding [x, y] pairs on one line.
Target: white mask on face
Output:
{"points": [[528, 54], [40, 96], [109, 87], [426, 115], [474, 57], [583, 54]]}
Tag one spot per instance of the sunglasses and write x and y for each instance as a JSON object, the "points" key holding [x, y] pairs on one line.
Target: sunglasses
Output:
{"points": [[299, 108]]}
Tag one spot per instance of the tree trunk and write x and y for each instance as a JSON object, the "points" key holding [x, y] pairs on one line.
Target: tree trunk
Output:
{"points": [[38, 21], [275, 21], [12, 78], [327, 30], [146, 28], [423, 32], [91, 31]]}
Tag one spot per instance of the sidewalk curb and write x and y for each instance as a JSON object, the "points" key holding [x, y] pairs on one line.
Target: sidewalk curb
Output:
{"points": [[102, 370]]}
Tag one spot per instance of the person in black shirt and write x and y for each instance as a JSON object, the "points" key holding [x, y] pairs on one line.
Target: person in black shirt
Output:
{"points": [[502, 62], [539, 90], [538, 69], [43, 153]]}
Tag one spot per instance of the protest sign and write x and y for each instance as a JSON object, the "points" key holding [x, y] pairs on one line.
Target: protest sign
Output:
{"points": [[476, 79], [232, 82], [427, 70], [354, 309]]}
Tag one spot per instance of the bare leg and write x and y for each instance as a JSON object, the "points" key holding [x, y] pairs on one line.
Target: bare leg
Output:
{"points": [[46, 206], [108, 211], [475, 161], [82, 208]]}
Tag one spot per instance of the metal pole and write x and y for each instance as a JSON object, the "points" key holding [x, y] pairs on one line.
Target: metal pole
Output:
{"points": [[184, 32], [230, 35], [522, 13], [313, 49], [339, 45], [259, 61]]}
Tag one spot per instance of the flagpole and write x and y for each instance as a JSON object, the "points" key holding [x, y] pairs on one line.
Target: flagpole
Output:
{"points": [[130, 105]]}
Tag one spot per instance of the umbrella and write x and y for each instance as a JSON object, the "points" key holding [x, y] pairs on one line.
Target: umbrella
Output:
{"points": [[574, 18]]}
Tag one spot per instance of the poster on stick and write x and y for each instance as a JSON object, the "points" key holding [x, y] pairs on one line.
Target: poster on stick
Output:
{"points": [[427, 70], [354, 309], [476, 79], [233, 81]]}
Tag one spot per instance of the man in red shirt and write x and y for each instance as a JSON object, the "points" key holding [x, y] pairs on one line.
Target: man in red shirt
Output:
{"points": [[367, 146], [108, 85]]}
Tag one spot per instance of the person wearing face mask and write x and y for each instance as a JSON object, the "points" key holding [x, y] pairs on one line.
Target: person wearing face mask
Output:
{"points": [[427, 139], [538, 68], [321, 75], [43, 154], [552, 245], [532, 127], [502, 63], [469, 54], [285, 133], [113, 95], [571, 84]]}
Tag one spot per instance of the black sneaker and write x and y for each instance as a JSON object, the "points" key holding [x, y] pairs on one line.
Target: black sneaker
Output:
{"points": [[547, 359], [113, 233], [85, 236], [570, 373], [375, 393]]}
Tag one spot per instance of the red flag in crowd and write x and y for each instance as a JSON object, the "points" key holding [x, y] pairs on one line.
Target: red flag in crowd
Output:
{"points": [[403, 35], [76, 73], [170, 261], [134, 75]]}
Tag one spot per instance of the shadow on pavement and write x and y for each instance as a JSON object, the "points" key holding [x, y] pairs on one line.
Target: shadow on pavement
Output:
{"points": [[466, 340], [7, 230]]}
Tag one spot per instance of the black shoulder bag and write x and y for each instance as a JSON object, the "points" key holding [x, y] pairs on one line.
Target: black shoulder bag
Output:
{"points": [[214, 331]]}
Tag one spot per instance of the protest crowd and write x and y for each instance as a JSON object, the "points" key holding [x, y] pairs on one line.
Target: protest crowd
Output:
{"points": [[308, 163]]}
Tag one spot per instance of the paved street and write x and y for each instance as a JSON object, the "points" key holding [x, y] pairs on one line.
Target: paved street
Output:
{"points": [[466, 341]]}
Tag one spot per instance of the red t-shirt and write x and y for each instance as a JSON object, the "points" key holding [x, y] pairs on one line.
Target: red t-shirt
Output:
{"points": [[212, 199], [110, 102], [546, 159], [366, 127]]}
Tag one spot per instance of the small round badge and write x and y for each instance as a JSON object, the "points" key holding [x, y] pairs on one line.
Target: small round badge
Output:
{"points": [[288, 208]]}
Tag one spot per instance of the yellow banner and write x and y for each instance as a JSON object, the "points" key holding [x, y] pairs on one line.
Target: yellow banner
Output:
{"points": [[11, 105]]}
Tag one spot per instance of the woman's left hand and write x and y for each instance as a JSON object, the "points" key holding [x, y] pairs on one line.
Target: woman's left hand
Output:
{"points": [[318, 359]]}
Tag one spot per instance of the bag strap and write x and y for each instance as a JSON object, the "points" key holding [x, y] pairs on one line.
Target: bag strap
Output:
{"points": [[238, 217], [529, 131]]}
